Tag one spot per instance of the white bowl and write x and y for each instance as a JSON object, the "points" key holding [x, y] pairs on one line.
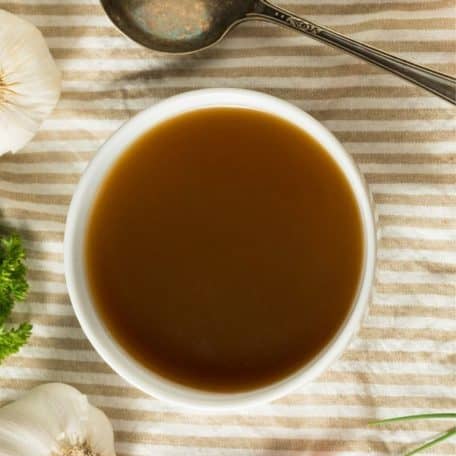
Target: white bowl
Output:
{"points": [[76, 225]]}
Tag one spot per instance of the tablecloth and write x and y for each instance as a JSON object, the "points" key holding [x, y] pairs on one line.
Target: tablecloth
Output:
{"points": [[403, 359]]}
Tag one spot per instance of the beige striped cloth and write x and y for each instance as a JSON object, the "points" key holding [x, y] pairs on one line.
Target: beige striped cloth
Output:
{"points": [[404, 358]]}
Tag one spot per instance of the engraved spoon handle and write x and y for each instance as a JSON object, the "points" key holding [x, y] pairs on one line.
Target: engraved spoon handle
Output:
{"points": [[438, 83]]}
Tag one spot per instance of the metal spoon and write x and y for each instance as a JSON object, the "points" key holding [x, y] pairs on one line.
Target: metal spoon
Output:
{"points": [[187, 26]]}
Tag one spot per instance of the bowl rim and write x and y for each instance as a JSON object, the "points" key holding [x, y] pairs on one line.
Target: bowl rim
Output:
{"points": [[79, 212]]}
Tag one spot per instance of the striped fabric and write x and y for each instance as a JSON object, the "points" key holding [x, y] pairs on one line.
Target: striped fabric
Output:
{"points": [[403, 359]]}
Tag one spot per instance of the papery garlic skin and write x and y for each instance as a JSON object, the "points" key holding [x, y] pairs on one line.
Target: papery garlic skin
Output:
{"points": [[52, 419], [29, 82]]}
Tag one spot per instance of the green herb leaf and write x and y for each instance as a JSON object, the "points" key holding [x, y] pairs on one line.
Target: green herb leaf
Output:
{"points": [[12, 340], [13, 287], [424, 416], [440, 438], [13, 284]]}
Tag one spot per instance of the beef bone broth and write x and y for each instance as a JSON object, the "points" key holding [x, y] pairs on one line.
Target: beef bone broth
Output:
{"points": [[224, 249]]}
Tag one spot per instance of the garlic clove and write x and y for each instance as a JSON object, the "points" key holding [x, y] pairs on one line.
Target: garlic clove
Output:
{"points": [[52, 419], [29, 82], [99, 432], [21, 427]]}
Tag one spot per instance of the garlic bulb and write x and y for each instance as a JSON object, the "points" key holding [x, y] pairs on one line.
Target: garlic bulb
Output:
{"points": [[29, 82], [54, 420]]}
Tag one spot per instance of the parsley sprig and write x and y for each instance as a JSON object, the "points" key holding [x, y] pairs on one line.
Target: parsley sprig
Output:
{"points": [[13, 287]]}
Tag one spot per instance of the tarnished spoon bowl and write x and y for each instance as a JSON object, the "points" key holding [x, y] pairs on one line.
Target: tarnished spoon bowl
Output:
{"points": [[186, 26], [177, 26]]}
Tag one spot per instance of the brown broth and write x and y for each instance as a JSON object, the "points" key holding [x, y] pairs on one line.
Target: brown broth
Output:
{"points": [[224, 249]]}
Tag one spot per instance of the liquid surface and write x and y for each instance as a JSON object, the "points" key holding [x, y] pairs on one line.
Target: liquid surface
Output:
{"points": [[224, 249]]}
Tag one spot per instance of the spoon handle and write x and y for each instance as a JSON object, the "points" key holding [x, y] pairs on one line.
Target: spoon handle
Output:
{"points": [[438, 83]]}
